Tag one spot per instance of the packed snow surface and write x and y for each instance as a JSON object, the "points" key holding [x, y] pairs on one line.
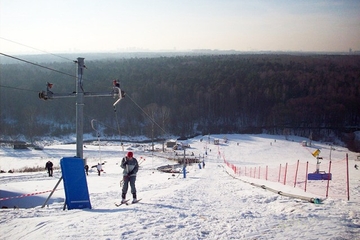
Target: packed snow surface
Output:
{"points": [[208, 203]]}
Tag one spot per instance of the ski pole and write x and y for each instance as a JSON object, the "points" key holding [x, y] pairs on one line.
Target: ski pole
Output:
{"points": [[122, 180]]}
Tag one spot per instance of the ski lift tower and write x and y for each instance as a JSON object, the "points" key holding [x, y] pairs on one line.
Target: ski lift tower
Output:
{"points": [[80, 94], [75, 184], [79, 109]]}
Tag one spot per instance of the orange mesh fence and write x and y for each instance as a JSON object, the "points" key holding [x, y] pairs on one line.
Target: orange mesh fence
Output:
{"points": [[297, 175]]}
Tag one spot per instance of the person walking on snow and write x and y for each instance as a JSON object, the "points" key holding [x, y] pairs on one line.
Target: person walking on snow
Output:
{"points": [[131, 167], [49, 168]]}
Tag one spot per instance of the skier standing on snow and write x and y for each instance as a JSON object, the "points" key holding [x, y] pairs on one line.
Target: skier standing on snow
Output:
{"points": [[86, 169], [131, 167]]}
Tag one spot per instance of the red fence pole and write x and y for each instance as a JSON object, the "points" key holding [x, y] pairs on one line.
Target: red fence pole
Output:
{"points": [[279, 173], [328, 182], [259, 173], [285, 173], [266, 174], [347, 176], [306, 174], [296, 172]]}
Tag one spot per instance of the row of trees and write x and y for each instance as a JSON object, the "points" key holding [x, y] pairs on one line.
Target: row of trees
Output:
{"points": [[187, 95]]}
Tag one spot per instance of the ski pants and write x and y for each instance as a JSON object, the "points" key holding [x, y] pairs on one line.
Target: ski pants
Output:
{"points": [[125, 187]]}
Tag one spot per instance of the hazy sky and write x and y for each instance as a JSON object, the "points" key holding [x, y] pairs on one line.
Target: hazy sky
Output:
{"points": [[60, 26]]}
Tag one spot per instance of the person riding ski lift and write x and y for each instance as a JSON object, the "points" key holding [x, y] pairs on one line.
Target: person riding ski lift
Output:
{"points": [[131, 167]]}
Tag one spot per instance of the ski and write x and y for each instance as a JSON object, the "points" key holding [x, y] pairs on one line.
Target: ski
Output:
{"points": [[128, 203], [121, 203]]}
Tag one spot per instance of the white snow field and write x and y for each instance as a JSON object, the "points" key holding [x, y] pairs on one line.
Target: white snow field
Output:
{"points": [[210, 203]]}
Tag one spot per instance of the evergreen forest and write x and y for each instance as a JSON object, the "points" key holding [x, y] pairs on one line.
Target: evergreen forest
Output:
{"points": [[311, 95]]}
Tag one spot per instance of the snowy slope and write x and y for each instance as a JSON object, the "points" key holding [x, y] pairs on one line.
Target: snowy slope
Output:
{"points": [[210, 203]]}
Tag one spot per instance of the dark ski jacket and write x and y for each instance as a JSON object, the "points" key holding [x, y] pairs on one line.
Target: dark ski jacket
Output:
{"points": [[48, 165], [130, 166]]}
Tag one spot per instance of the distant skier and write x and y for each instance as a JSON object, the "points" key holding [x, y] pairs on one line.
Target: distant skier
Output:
{"points": [[86, 169], [131, 167], [49, 168], [356, 167], [99, 168]]}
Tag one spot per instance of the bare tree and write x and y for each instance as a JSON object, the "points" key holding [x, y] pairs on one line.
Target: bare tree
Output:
{"points": [[30, 115], [156, 119]]}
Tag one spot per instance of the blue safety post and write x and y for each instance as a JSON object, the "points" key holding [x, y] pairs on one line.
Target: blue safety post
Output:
{"points": [[184, 166]]}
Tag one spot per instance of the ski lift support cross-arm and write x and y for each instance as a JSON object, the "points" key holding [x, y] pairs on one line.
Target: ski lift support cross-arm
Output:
{"points": [[115, 93], [80, 94]]}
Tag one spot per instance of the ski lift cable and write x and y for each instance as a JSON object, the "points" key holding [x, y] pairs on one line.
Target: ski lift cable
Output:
{"points": [[85, 115], [92, 125], [117, 123], [16, 88], [98, 136], [51, 69], [35, 64], [38, 65], [42, 66], [21, 44], [152, 120], [68, 106]]}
